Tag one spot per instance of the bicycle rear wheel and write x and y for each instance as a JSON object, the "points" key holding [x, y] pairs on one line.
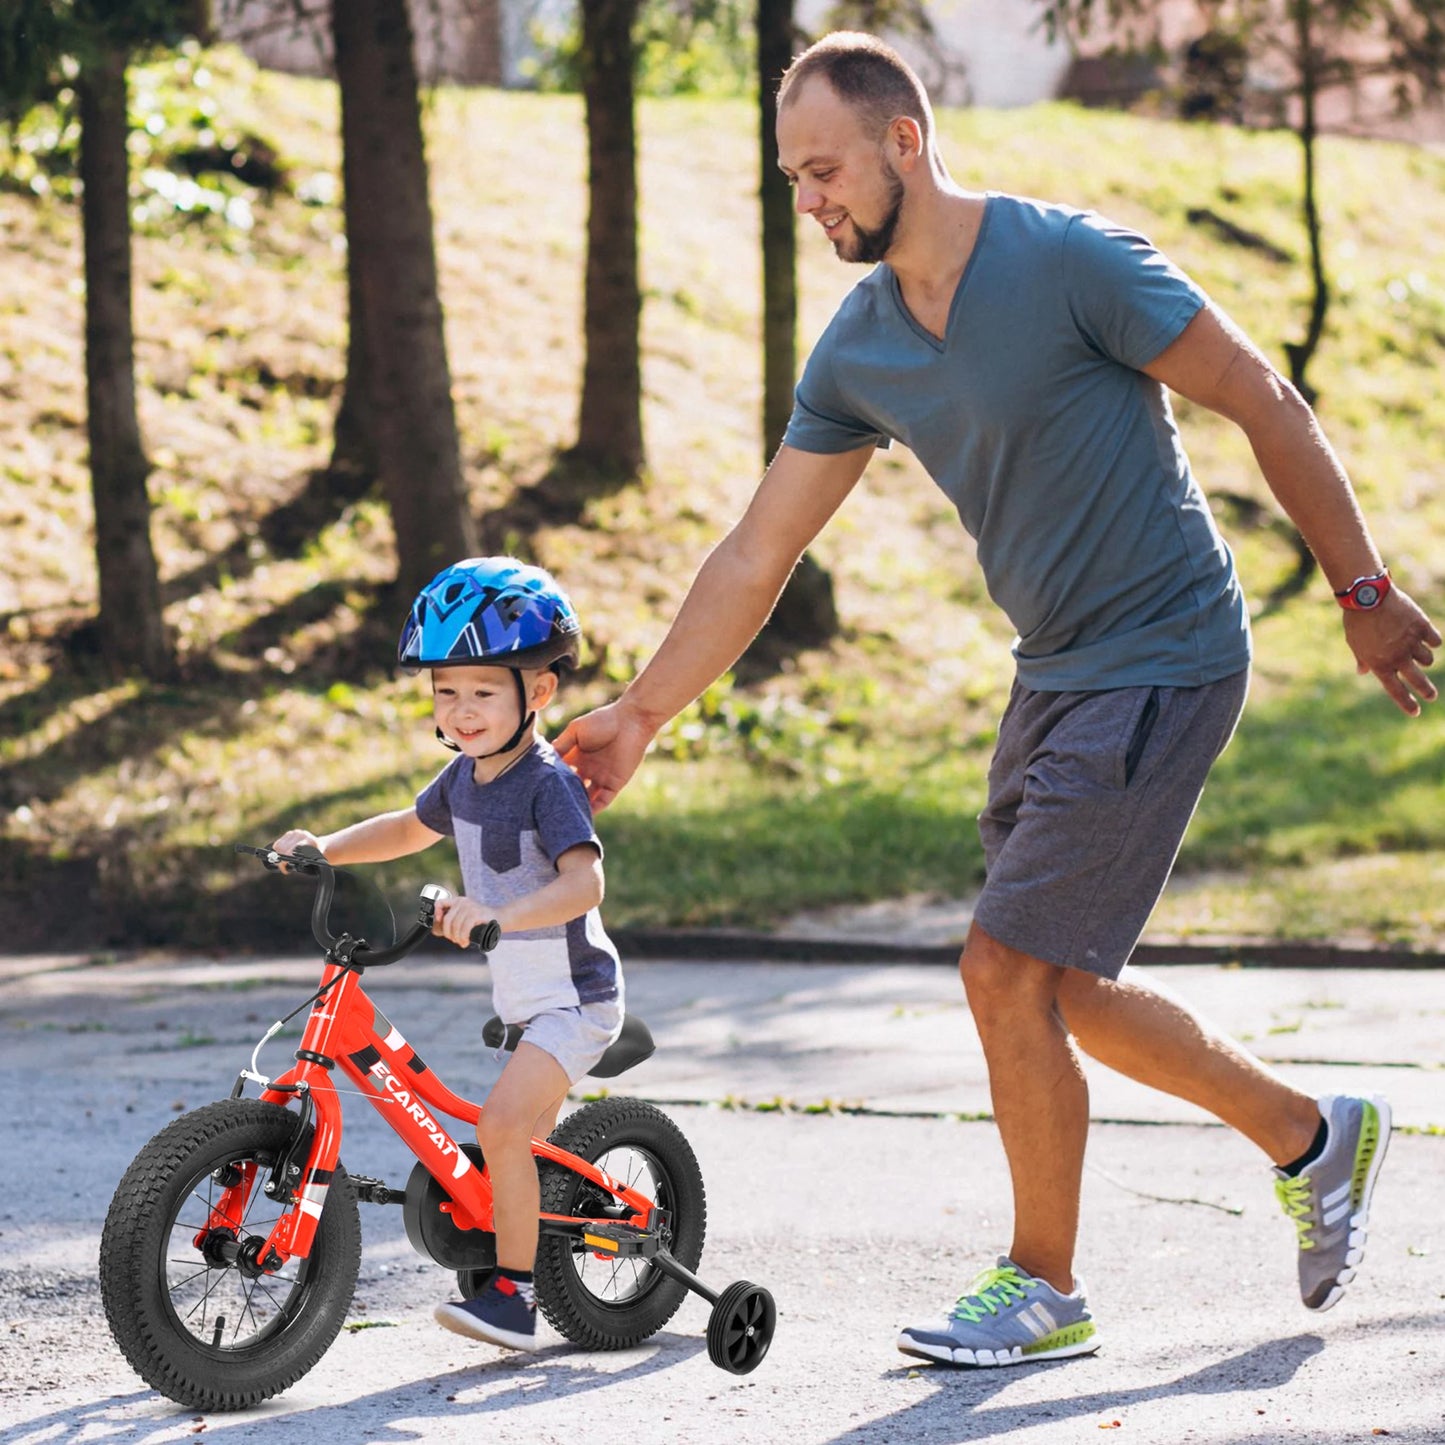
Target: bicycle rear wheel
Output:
{"points": [[197, 1321], [605, 1303]]}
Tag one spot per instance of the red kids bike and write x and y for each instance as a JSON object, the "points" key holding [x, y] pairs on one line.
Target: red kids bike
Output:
{"points": [[231, 1249]]}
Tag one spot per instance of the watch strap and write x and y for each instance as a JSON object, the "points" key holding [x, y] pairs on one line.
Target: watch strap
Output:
{"points": [[1364, 594]]}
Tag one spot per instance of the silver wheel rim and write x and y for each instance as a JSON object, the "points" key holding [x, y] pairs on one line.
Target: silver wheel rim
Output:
{"points": [[612, 1280], [216, 1304]]}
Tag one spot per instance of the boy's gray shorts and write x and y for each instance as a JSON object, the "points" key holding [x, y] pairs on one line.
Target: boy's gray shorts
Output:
{"points": [[576, 1037], [1089, 795]]}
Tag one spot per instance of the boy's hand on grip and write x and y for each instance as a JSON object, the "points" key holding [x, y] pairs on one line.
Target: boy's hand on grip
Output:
{"points": [[297, 841], [464, 922], [486, 936]]}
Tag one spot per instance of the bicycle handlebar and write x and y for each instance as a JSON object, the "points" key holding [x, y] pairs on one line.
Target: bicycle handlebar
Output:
{"points": [[311, 863]]}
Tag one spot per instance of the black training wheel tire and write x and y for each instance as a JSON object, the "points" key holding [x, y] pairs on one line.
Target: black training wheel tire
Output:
{"points": [[613, 1304], [740, 1328], [203, 1332], [472, 1283]]}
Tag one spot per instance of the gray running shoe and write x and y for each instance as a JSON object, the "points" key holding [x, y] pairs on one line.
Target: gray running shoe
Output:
{"points": [[1007, 1318], [1329, 1202]]}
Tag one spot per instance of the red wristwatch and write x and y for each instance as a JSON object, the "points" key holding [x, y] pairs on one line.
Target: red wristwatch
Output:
{"points": [[1364, 594]]}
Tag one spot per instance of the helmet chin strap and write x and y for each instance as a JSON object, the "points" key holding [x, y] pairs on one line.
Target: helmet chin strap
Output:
{"points": [[528, 718]]}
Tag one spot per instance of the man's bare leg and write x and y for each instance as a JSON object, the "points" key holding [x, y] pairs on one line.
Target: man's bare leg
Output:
{"points": [[1147, 1033], [1040, 1099], [1040, 1096]]}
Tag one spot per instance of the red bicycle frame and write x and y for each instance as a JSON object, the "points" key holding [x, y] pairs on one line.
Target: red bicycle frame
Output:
{"points": [[346, 1031]]}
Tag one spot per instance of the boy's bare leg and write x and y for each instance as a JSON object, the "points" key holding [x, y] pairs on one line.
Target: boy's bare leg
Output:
{"points": [[547, 1120], [1040, 1099], [1142, 1030], [532, 1086]]}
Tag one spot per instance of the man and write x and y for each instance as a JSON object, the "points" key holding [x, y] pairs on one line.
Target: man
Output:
{"points": [[1024, 351]]}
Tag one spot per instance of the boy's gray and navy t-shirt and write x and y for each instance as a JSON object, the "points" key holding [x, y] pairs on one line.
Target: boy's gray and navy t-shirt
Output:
{"points": [[1061, 456], [509, 834]]}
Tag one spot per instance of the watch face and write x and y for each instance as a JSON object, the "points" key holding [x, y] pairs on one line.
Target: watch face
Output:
{"points": [[1367, 595]]}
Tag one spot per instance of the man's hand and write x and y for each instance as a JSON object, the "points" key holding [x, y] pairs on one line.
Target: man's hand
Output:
{"points": [[1396, 641], [604, 748]]}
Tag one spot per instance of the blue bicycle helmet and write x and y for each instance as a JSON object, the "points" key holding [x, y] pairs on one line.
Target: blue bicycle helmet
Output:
{"points": [[491, 612]]}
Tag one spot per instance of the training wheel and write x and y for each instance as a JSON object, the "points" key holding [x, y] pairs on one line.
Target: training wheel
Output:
{"points": [[472, 1282], [740, 1328]]}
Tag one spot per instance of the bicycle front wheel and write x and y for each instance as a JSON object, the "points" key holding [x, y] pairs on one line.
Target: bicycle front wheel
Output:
{"points": [[195, 1316]]}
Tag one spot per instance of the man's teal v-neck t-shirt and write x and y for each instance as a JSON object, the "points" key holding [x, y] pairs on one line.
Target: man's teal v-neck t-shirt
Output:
{"points": [[1060, 454]]}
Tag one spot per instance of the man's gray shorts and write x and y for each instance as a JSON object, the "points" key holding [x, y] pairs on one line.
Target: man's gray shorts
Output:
{"points": [[576, 1037], [1089, 795]]}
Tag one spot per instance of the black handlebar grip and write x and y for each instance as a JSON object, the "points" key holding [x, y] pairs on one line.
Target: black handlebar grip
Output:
{"points": [[306, 853], [486, 936]]}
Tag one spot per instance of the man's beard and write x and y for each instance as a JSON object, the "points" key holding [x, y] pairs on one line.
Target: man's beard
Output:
{"points": [[871, 246]]}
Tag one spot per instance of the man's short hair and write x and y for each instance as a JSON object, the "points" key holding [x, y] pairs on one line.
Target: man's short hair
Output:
{"points": [[868, 74]]}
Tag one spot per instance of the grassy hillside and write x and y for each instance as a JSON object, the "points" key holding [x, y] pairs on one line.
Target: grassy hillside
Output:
{"points": [[854, 776]]}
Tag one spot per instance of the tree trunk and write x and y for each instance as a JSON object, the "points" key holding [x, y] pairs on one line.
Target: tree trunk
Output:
{"points": [[132, 633], [393, 265], [1300, 353], [609, 431], [780, 288], [353, 441], [807, 612]]}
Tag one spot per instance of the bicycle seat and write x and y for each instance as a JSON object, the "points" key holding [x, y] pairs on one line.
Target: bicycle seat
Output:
{"points": [[630, 1048]]}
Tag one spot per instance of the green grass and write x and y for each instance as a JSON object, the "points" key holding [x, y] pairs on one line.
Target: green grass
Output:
{"points": [[856, 775]]}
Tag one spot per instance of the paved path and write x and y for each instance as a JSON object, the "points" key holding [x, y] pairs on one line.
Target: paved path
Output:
{"points": [[856, 1220]]}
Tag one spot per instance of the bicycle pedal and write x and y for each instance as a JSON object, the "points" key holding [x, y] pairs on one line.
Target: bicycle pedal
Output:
{"points": [[375, 1191], [621, 1241]]}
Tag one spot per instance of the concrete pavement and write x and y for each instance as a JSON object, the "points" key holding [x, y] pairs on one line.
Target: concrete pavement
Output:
{"points": [[835, 1109]]}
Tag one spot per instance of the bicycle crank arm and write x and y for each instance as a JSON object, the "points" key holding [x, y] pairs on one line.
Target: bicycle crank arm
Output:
{"points": [[375, 1191]]}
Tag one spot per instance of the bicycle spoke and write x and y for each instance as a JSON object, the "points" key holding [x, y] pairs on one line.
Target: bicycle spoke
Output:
{"points": [[248, 1296], [197, 1271], [206, 1296], [611, 1278], [216, 1302]]}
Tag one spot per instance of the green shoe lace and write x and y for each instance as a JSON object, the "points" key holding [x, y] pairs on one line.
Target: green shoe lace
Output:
{"points": [[992, 1289], [1294, 1199]]}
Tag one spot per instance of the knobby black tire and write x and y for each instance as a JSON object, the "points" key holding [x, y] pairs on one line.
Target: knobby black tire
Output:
{"points": [[295, 1315], [569, 1293], [740, 1328]]}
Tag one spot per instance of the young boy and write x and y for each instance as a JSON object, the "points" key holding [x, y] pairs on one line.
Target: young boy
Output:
{"points": [[495, 633]]}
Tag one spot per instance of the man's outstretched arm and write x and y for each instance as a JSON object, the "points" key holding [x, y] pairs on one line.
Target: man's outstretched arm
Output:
{"points": [[728, 602], [1215, 365]]}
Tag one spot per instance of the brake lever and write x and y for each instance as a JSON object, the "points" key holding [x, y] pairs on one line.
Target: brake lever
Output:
{"points": [[304, 862]]}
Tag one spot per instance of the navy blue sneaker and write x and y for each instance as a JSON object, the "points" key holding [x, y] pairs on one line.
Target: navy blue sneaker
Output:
{"points": [[502, 1315]]}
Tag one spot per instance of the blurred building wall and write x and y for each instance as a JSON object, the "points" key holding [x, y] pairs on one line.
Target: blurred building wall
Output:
{"points": [[464, 41], [986, 52]]}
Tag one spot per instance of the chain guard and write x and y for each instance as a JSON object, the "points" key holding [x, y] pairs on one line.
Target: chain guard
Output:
{"points": [[431, 1231]]}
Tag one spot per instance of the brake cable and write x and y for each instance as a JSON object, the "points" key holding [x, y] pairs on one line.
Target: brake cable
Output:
{"points": [[253, 1073]]}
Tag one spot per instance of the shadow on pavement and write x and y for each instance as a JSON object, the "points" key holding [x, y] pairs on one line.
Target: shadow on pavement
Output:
{"points": [[553, 1374], [958, 1406]]}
